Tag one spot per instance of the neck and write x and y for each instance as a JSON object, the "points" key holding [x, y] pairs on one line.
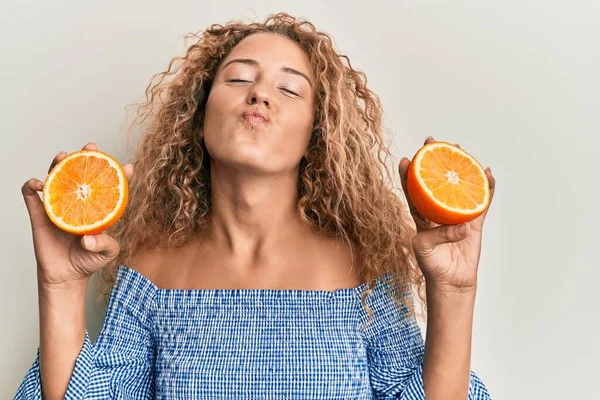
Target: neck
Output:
{"points": [[253, 215]]}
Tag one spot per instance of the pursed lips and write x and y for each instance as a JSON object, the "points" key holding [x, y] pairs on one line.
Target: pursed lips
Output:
{"points": [[256, 117]]}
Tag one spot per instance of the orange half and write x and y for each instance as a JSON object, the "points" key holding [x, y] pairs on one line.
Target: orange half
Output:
{"points": [[447, 185], [86, 192]]}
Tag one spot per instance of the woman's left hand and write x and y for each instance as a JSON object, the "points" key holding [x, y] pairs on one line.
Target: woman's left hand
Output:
{"points": [[448, 258]]}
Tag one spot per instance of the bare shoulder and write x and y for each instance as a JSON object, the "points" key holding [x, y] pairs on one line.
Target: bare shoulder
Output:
{"points": [[341, 262], [330, 264], [149, 263], [166, 268]]}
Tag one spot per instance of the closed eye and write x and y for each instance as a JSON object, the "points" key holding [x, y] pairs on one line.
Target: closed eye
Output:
{"points": [[235, 80], [289, 91]]}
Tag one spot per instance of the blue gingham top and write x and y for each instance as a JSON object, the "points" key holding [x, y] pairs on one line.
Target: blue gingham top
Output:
{"points": [[247, 344]]}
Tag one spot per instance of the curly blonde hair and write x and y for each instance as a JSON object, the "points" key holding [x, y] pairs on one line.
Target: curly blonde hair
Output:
{"points": [[345, 188]]}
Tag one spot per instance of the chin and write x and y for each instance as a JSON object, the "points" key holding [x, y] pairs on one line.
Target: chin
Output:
{"points": [[247, 155]]}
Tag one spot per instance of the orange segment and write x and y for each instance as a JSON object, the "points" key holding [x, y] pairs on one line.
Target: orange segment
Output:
{"points": [[86, 192], [447, 185]]}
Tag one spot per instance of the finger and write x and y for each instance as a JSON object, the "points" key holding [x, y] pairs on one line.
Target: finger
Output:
{"points": [[457, 145], [403, 166], [90, 146], [128, 168], [56, 160], [492, 180], [403, 171], [488, 172], [101, 243], [429, 139], [421, 222], [426, 241], [33, 202]]}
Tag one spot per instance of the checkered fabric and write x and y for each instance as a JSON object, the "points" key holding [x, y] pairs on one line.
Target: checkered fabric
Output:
{"points": [[247, 344]]}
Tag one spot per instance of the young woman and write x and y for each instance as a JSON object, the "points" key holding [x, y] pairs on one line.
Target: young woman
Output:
{"points": [[262, 254]]}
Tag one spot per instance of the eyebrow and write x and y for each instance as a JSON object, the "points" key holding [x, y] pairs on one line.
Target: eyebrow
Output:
{"points": [[254, 63]]}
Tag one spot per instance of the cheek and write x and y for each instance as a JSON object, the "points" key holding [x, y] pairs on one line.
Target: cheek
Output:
{"points": [[299, 117], [299, 126], [210, 125], [304, 121], [215, 113], [213, 106]]}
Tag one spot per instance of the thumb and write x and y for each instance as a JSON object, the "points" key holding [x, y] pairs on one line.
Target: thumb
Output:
{"points": [[103, 244], [424, 242]]}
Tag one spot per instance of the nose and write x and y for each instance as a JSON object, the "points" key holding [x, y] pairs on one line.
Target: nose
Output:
{"points": [[259, 94]]}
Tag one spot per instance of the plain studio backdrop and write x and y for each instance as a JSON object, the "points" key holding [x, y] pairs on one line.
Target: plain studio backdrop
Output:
{"points": [[516, 83]]}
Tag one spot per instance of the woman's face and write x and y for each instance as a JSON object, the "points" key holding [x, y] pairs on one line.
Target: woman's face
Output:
{"points": [[259, 112]]}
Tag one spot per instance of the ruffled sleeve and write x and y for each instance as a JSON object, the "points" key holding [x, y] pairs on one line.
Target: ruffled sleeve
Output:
{"points": [[396, 348], [121, 362]]}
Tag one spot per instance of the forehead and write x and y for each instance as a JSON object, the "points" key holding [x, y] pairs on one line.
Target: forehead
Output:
{"points": [[271, 49]]}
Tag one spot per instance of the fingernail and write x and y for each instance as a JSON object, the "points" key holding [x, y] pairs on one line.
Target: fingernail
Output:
{"points": [[89, 241], [462, 229]]}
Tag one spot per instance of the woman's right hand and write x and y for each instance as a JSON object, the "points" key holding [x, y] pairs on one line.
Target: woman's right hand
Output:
{"points": [[64, 259]]}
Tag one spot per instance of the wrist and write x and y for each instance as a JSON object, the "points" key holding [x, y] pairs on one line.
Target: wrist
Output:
{"points": [[62, 310], [67, 295], [433, 286], [450, 299], [71, 286]]}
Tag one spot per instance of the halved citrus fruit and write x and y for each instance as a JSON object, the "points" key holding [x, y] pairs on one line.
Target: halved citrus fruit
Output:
{"points": [[86, 192], [447, 185]]}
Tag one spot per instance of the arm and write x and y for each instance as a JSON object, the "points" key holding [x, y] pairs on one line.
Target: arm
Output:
{"points": [[121, 362], [398, 358], [447, 254], [447, 359], [62, 335]]}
